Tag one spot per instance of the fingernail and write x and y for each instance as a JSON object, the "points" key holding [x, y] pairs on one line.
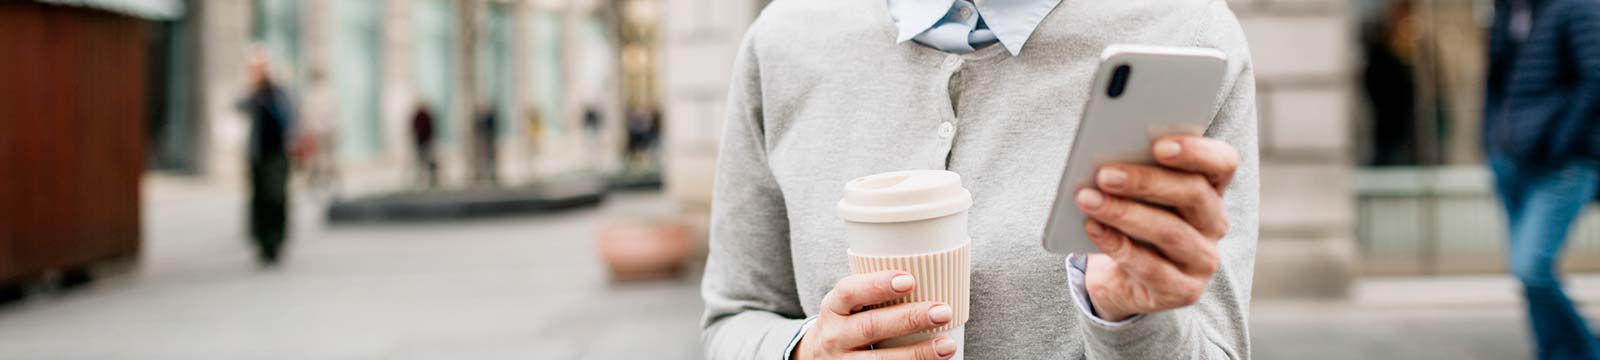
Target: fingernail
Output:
{"points": [[1094, 229], [1111, 177], [944, 347], [940, 314], [1167, 149], [1090, 198], [902, 283]]}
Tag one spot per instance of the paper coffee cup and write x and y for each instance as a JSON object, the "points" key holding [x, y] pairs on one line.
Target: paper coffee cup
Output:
{"points": [[914, 221]]}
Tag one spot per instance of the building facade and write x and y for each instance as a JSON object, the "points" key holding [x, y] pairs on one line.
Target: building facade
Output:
{"points": [[359, 70]]}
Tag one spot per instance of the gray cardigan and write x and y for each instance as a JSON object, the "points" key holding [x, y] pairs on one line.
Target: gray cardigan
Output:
{"points": [[823, 94]]}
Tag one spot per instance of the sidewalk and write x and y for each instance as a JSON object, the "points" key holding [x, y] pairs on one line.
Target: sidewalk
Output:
{"points": [[1309, 331], [1457, 317], [510, 287], [532, 287]]}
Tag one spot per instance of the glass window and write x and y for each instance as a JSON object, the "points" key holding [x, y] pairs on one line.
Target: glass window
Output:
{"points": [[549, 64], [495, 73], [1422, 78], [277, 27], [357, 45], [435, 61]]}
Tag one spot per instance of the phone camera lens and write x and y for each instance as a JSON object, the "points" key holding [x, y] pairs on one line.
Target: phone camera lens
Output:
{"points": [[1119, 81]]}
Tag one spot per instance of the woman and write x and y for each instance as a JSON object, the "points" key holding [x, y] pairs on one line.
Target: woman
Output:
{"points": [[829, 90]]}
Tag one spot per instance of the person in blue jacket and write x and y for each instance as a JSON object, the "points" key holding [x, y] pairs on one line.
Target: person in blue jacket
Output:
{"points": [[1541, 134]]}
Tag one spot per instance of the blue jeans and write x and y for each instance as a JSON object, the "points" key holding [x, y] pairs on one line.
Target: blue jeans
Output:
{"points": [[1541, 204]]}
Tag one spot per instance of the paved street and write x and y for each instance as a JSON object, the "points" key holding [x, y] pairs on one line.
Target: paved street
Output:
{"points": [[530, 287], [508, 288], [1293, 331]]}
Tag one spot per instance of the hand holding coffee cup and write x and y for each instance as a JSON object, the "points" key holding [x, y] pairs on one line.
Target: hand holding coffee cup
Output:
{"points": [[847, 329], [909, 252]]}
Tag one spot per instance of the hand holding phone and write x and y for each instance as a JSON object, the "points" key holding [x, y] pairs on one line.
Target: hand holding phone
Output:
{"points": [[1142, 184], [1158, 227], [1139, 93]]}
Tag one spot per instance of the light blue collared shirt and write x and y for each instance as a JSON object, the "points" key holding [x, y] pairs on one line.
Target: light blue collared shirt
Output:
{"points": [[963, 26]]}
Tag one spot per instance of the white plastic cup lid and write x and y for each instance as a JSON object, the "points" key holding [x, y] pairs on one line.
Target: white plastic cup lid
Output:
{"points": [[903, 196]]}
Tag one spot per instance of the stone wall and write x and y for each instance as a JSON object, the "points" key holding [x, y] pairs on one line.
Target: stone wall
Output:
{"points": [[222, 130], [1305, 58], [699, 41]]}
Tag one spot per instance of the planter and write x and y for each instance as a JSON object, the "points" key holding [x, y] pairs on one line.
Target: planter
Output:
{"points": [[644, 251]]}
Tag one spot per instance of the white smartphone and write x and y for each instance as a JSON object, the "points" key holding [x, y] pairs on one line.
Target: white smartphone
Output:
{"points": [[1139, 93]]}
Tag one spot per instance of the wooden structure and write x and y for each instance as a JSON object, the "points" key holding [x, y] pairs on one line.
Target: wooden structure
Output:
{"points": [[73, 109]]}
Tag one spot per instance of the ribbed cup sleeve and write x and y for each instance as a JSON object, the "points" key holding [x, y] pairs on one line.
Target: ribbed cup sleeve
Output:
{"points": [[944, 276]]}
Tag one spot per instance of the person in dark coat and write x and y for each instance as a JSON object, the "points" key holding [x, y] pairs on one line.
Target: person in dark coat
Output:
{"points": [[487, 126], [1390, 87], [644, 127], [422, 136], [271, 124], [1541, 134]]}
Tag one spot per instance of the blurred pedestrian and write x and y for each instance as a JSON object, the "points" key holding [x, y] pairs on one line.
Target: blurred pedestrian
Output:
{"points": [[591, 126], [422, 137], [1541, 133], [533, 129], [487, 127], [271, 125], [1390, 44], [591, 119], [644, 126]]}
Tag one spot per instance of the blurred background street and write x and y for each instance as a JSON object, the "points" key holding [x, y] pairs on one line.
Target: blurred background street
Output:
{"points": [[531, 179]]}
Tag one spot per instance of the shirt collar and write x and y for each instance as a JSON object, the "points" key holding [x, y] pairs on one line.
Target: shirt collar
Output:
{"points": [[1012, 21]]}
